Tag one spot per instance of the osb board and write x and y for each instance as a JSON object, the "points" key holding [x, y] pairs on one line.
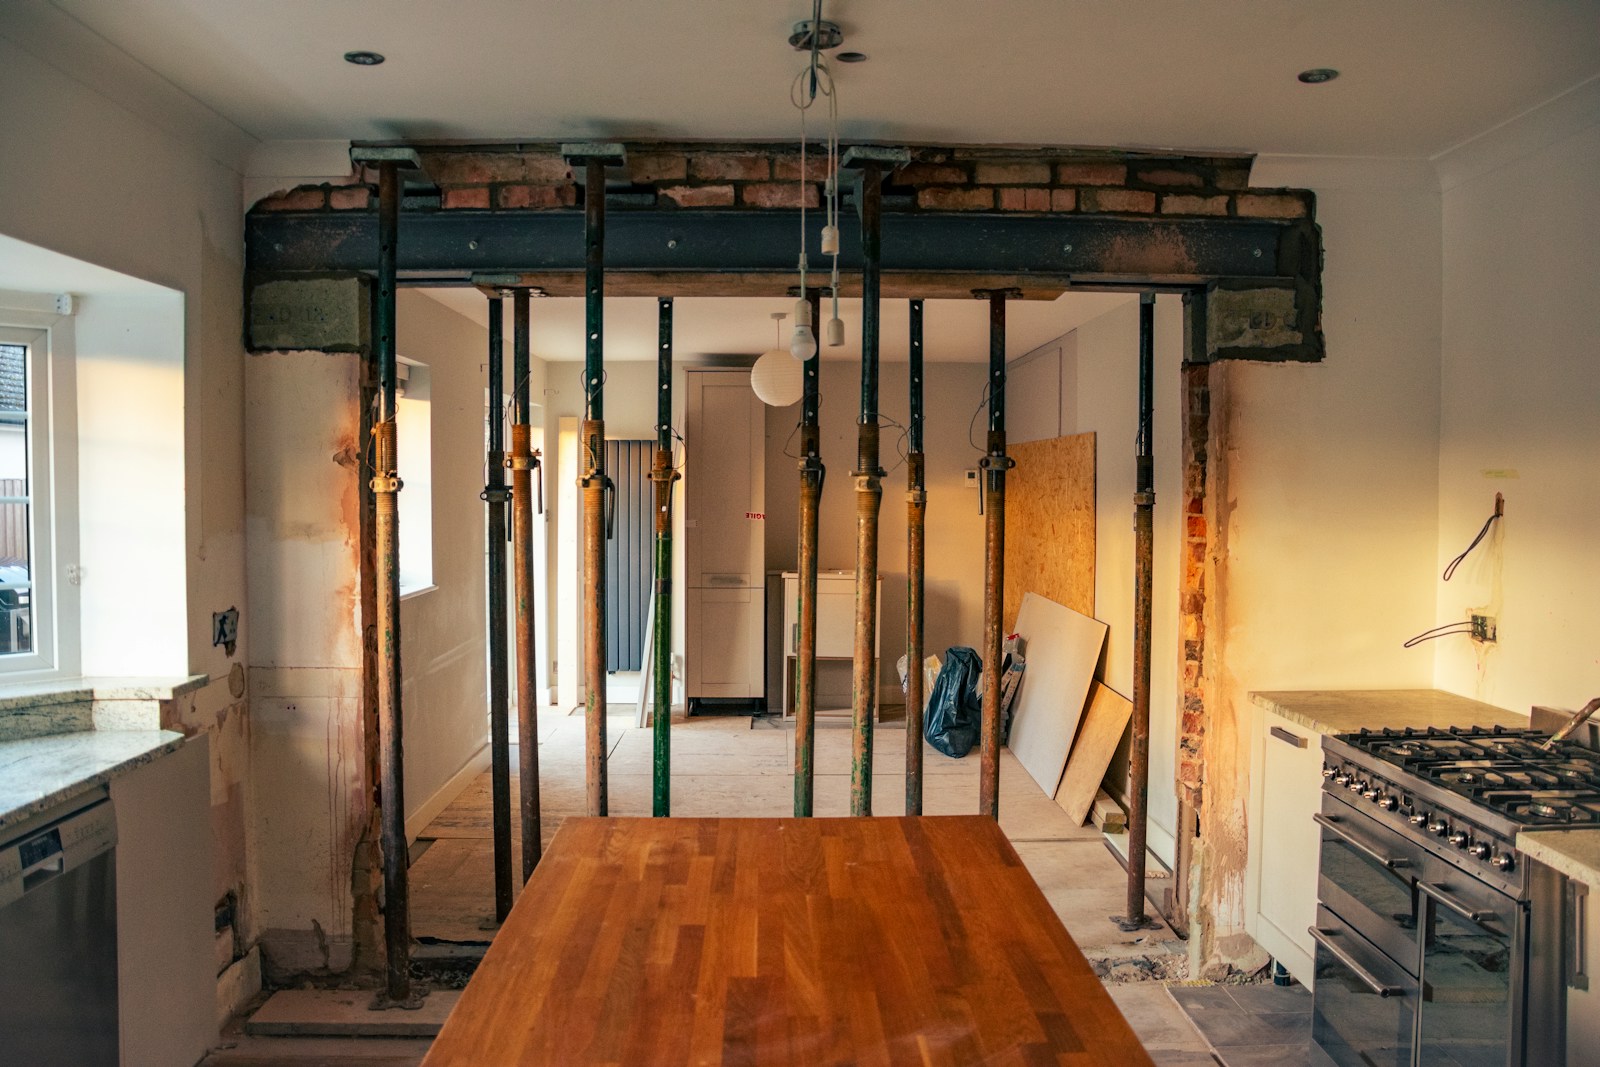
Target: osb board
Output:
{"points": [[1050, 524]]}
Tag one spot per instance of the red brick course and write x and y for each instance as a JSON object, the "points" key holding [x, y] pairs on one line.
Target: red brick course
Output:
{"points": [[955, 198]]}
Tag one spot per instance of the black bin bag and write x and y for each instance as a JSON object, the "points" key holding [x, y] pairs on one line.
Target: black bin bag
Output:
{"points": [[951, 725]]}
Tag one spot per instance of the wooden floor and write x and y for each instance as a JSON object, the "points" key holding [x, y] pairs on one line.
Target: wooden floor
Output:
{"points": [[784, 941]]}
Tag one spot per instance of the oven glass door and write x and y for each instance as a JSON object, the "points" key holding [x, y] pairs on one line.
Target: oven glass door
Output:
{"points": [[1364, 1009], [1469, 972], [1367, 877]]}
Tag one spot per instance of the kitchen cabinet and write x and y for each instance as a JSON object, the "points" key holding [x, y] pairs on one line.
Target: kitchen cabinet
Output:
{"points": [[1281, 879], [836, 637]]}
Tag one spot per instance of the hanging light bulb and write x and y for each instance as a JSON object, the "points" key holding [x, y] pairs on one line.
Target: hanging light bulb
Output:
{"points": [[835, 332], [803, 345], [830, 240]]}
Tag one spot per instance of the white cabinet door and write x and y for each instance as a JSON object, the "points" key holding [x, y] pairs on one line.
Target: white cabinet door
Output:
{"points": [[1285, 790], [724, 495]]}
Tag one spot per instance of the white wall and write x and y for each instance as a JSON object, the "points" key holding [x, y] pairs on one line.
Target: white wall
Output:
{"points": [[1521, 416], [444, 689]]}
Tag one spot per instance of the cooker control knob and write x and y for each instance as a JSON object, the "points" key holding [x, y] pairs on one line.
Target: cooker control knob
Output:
{"points": [[1342, 778], [1439, 826], [1479, 850], [1371, 792], [1503, 861], [1329, 770], [1418, 818], [1356, 785], [1387, 802], [1460, 839]]}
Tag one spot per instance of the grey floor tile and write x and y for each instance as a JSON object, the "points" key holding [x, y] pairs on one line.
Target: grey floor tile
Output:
{"points": [[1258, 999], [1225, 1024], [1296, 1055], [1172, 1058]]}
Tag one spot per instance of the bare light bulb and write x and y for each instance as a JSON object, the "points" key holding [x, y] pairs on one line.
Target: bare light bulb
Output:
{"points": [[835, 332], [803, 345], [830, 240]]}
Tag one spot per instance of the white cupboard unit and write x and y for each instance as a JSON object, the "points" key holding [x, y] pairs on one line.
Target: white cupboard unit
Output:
{"points": [[1281, 879], [724, 495], [836, 635]]}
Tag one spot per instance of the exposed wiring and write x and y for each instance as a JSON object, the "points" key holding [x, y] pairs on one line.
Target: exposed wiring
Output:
{"points": [[1499, 511], [973, 422], [1449, 629]]}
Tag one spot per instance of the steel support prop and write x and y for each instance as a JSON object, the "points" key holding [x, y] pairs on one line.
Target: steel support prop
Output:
{"points": [[1144, 502], [597, 487], [386, 489], [495, 495], [995, 463], [524, 464], [868, 477], [812, 474], [663, 473], [916, 520]]}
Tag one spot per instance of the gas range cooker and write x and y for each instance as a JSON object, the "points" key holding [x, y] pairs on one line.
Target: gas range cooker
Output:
{"points": [[1465, 793]]}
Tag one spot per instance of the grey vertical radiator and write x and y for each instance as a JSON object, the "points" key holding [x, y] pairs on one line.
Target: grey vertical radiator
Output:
{"points": [[629, 553]]}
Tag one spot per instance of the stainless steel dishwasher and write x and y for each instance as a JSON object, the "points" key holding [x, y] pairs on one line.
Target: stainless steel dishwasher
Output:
{"points": [[58, 937]]}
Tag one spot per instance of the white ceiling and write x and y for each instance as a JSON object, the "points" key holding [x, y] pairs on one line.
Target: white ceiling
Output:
{"points": [[954, 331], [1419, 76]]}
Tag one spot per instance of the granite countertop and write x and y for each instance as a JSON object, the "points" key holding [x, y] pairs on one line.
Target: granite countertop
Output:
{"points": [[1575, 853], [1339, 711], [37, 773]]}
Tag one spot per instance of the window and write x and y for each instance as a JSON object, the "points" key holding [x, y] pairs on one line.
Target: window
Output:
{"points": [[26, 631], [414, 448]]}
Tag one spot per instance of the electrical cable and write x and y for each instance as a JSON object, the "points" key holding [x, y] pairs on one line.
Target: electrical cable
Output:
{"points": [[1499, 510], [1449, 629]]}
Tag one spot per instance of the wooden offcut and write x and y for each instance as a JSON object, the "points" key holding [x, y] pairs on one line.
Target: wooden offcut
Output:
{"points": [[784, 941], [1109, 816], [1098, 736], [1050, 517]]}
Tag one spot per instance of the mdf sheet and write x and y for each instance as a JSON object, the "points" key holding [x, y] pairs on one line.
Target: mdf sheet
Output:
{"points": [[1062, 647], [783, 941], [1050, 531], [1101, 731]]}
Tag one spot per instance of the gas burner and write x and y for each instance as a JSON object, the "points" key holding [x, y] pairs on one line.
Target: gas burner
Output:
{"points": [[1538, 808]]}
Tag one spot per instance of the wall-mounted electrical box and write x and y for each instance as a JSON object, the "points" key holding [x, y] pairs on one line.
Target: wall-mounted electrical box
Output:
{"points": [[972, 478], [1483, 628]]}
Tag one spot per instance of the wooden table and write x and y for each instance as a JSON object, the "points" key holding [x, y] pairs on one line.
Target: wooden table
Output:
{"points": [[783, 941]]}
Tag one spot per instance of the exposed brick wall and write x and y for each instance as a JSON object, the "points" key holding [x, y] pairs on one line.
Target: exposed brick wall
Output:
{"points": [[938, 179], [1196, 415]]}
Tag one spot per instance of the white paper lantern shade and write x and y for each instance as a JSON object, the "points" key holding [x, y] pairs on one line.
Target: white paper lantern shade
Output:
{"points": [[777, 379]]}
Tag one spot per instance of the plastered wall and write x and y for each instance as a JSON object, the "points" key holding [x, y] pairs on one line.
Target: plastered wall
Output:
{"points": [[1521, 415]]}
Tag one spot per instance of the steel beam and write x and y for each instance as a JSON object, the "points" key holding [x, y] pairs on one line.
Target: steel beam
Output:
{"points": [[524, 464], [868, 477], [386, 489], [734, 241], [495, 495], [812, 474], [995, 463], [916, 521], [663, 473], [597, 487], [1144, 502]]}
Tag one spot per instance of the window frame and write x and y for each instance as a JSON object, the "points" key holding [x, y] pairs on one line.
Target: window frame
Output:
{"points": [[52, 484]]}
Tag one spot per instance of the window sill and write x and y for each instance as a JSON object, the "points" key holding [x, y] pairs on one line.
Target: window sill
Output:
{"points": [[407, 594]]}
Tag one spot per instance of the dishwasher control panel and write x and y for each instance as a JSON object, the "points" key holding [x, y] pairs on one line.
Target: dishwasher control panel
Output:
{"points": [[44, 853]]}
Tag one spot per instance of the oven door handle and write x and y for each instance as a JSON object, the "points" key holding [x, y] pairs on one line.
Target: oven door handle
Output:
{"points": [[1444, 896], [1331, 824], [1371, 981]]}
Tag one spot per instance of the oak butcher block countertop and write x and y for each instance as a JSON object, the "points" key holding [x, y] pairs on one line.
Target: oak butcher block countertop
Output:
{"points": [[783, 941], [1343, 711]]}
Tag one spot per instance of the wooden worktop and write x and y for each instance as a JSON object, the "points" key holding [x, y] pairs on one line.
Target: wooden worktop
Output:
{"points": [[783, 941], [1341, 711]]}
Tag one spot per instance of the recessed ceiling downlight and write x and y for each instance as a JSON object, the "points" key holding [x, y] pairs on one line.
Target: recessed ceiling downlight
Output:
{"points": [[851, 57], [363, 58], [1318, 75]]}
